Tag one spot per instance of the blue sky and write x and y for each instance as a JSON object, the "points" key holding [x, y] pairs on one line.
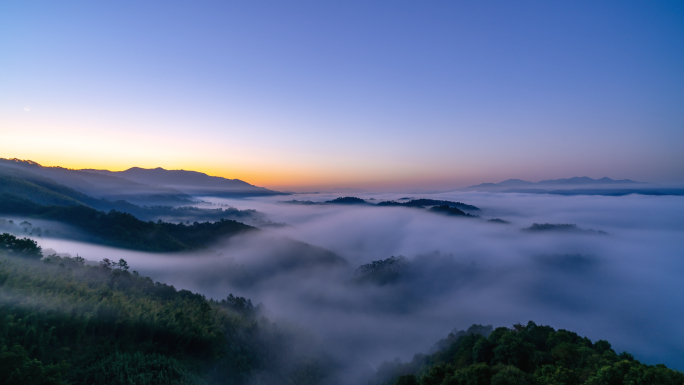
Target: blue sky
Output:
{"points": [[384, 95]]}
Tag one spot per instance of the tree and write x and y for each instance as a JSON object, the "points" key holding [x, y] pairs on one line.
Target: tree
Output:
{"points": [[408, 379], [17, 368], [20, 247], [106, 264]]}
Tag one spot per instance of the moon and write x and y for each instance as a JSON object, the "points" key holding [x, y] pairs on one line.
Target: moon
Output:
{"points": [[27, 108]]}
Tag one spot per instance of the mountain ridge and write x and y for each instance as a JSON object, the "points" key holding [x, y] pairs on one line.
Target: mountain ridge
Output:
{"points": [[188, 181], [567, 182], [139, 185], [95, 185]]}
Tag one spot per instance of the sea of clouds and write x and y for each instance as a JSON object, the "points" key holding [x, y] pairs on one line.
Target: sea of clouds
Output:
{"points": [[625, 287]]}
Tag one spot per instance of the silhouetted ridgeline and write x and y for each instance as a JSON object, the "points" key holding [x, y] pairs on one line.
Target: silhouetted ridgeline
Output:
{"points": [[347, 201], [448, 210], [498, 220], [417, 203], [565, 182], [564, 227], [381, 272], [42, 190], [45, 191], [421, 203], [526, 355], [124, 230], [95, 185], [64, 322], [190, 182], [138, 185], [578, 186], [296, 202]]}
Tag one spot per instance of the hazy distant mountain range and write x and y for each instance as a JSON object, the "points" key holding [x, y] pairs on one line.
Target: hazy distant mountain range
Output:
{"points": [[565, 182], [116, 211], [577, 186], [95, 185], [136, 185], [189, 182]]}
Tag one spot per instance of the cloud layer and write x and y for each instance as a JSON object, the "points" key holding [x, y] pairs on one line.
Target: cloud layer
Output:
{"points": [[625, 287]]}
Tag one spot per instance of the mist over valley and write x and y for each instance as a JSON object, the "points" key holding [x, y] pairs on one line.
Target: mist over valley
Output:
{"points": [[378, 276]]}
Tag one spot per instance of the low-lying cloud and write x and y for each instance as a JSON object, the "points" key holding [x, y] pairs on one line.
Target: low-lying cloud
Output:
{"points": [[625, 287]]}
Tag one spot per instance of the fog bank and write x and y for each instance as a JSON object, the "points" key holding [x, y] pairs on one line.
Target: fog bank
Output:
{"points": [[625, 287]]}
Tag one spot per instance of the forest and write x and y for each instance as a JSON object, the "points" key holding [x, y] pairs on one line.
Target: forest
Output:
{"points": [[17, 183], [562, 227], [422, 203], [70, 321], [67, 321], [448, 210], [416, 203], [124, 230], [528, 354]]}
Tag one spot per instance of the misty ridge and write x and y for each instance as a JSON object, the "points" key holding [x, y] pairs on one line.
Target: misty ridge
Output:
{"points": [[325, 288], [136, 185], [565, 227], [434, 206], [579, 186]]}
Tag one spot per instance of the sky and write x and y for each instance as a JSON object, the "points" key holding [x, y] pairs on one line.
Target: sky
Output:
{"points": [[378, 95]]}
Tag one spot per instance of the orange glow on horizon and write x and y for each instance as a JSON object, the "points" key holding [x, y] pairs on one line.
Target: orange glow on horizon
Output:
{"points": [[109, 148], [282, 178]]}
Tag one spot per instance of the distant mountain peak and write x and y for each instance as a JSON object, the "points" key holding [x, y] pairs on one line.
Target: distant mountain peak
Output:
{"points": [[513, 182], [190, 182], [22, 161], [564, 182], [137, 182]]}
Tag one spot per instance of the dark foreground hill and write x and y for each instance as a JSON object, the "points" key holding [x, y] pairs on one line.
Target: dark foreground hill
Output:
{"points": [[64, 322], [523, 355]]}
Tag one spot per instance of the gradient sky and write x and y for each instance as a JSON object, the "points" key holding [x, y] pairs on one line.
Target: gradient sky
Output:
{"points": [[380, 95]]}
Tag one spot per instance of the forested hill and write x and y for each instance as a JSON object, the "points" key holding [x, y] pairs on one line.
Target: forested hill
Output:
{"points": [[45, 191], [523, 355], [100, 186], [64, 322], [124, 230], [190, 182], [414, 203], [40, 189]]}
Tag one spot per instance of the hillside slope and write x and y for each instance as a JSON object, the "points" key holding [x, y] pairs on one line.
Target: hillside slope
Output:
{"points": [[526, 355], [37, 192], [99, 186], [123, 230], [65, 322], [190, 182]]}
